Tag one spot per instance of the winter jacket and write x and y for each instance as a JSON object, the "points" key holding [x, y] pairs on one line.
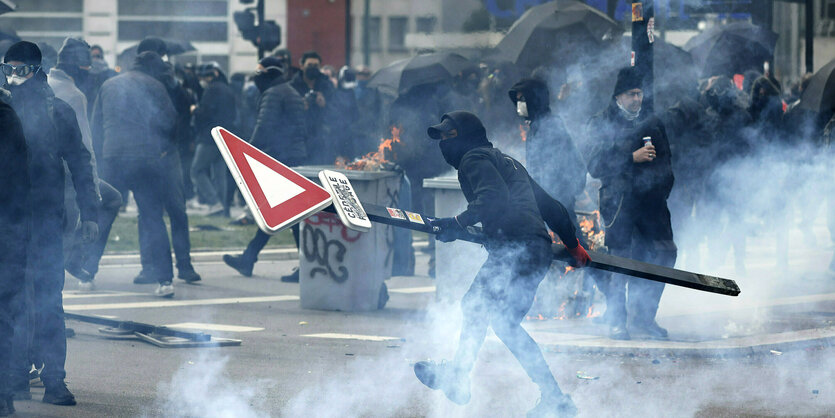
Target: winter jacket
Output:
{"points": [[14, 189], [133, 118], [279, 126], [216, 108], [551, 156], [630, 190], [509, 205], [53, 138]]}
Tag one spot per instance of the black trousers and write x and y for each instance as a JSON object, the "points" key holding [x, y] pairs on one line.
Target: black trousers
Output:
{"points": [[148, 182], [12, 280], [39, 333], [175, 206], [87, 256], [499, 297]]}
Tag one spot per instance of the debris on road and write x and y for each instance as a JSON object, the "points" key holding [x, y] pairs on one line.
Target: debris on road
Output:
{"points": [[584, 376]]}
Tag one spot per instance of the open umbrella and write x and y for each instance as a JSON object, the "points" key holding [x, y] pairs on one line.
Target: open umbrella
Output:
{"points": [[174, 46], [819, 95], [556, 32], [732, 49], [7, 6], [400, 76]]}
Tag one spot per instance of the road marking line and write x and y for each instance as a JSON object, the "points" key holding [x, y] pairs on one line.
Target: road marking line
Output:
{"points": [[424, 289], [175, 303], [352, 337], [213, 327], [75, 294]]}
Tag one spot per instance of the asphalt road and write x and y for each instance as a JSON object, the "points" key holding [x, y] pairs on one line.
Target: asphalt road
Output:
{"points": [[363, 368]]}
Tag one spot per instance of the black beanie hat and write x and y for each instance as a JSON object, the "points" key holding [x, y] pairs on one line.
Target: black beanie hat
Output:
{"points": [[25, 52], [273, 61], [75, 52], [628, 78], [152, 44]]}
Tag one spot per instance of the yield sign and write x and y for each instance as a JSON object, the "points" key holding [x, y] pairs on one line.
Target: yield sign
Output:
{"points": [[278, 196]]}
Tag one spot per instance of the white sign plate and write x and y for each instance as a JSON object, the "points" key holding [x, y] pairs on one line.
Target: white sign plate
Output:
{"points": [[345, 200]]}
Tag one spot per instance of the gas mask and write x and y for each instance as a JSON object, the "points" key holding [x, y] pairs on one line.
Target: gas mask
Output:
{"points": [[522, 108]]}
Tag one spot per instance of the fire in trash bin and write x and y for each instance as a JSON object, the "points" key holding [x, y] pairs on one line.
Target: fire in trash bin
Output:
{"points": [[377, 160]]}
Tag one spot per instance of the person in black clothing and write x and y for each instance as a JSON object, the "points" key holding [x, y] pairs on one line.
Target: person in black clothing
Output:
{"points": [[216, 108], [14, 224], [286, 58], [317, 91], [636, 180], [513, 210], [53, 138], [174, 193], [552, 159], [279, 132]]}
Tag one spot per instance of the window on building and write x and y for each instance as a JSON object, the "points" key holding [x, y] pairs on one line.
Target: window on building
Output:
{"points": [[398, 26], [426, 24], [828, 9], [374, 33]]}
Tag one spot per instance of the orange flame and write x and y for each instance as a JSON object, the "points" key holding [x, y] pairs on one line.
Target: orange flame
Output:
{"points": [[523, 132], [373, 160]]}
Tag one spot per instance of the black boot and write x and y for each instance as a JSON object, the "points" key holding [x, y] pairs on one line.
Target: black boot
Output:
{"points": [[188, 274], [292, 277], [20, 389], [144, 278], [6, 405], [238, 263], [56, 393]]}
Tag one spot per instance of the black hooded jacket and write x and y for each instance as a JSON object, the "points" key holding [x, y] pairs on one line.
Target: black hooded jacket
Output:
{"points": [[279, 126], [216, 108], [53, 138], [500, 193], [14, 190], [552, 158], [629, 189]]}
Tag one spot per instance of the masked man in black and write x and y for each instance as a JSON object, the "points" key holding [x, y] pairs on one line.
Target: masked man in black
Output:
{"points": [[511, 208], [630, 154], [53, 138]]}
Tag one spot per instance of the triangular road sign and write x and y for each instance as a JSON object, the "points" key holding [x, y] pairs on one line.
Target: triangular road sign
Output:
{"points": [[278, 196]]}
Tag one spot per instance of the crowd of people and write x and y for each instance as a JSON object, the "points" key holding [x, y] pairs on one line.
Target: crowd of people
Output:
{"points": [[78, 136]]}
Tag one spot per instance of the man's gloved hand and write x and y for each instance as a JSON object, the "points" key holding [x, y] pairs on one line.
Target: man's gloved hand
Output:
{"points": [[89, 231], [450, 229], [581, 257]]}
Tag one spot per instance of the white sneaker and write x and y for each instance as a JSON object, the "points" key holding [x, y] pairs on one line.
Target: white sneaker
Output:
{"points": [[86, 286], [165, 290]]}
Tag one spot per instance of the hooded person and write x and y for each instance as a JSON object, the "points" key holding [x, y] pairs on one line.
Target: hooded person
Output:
{"points": [[630, 154], [54, 139], [133, 123], [513, 211], [71, 72], [280, 132], [15, 221], [552, 159]]}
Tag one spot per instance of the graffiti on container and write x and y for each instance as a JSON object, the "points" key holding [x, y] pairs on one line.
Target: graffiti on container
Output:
{"points": [[317, 249], [331, 221]]}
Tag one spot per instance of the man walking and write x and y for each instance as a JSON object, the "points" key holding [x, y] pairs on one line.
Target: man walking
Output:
{"points": [[513, 210]]}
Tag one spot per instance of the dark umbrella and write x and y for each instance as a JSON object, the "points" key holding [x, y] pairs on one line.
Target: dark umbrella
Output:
{"points": [[732, 49], [174, 47], [400, 76], [819, 94], [554, 33], [7, 6]]}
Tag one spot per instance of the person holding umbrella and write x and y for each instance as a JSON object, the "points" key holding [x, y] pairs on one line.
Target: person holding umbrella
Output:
{"points": [[513, 211]]}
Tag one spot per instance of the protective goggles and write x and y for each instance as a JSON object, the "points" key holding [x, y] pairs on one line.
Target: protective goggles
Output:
{"points": [[21, 70]]}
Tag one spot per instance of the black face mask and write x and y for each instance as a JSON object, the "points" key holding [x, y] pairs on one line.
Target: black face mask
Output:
{"points": [[263, 81], [453, 149], [312, 73]]}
